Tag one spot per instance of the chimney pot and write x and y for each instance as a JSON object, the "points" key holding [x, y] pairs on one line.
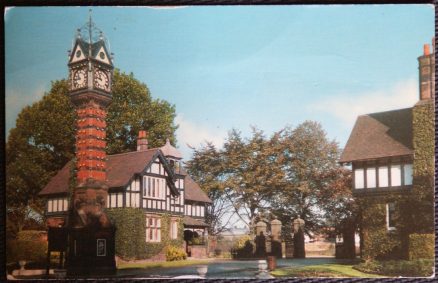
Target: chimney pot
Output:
{"points": [[426, 49]]}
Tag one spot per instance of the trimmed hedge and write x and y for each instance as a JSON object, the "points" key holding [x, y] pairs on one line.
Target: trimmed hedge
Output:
{"points": [[17, 250], [406, 268], [421, 246]]}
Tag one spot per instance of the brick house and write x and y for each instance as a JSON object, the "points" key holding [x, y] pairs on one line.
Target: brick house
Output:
{"points": [[391, 157]]}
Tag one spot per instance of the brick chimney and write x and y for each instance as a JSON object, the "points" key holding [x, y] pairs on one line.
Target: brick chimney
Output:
{"points": [[142, 142], [427, 72]]}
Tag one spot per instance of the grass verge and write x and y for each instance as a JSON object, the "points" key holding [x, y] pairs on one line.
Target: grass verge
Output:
{"points": [[162, 264], [324, 270]]}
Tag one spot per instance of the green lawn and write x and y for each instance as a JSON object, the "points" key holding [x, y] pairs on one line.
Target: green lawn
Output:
{"points": [[164, 264], [324, 270]]}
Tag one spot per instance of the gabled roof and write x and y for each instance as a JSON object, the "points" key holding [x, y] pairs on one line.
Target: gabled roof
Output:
{"points": [[378, 135], [95, 47], [194, 192], [121, 168], [171, 151]]}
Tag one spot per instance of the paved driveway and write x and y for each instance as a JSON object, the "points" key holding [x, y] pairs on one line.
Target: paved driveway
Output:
{"points": [[223, 268]]}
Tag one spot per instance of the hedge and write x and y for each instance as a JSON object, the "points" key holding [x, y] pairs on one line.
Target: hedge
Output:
{"points": [[406, 268], [131, 234], [31, 235], [421, 246], [17, 250]]}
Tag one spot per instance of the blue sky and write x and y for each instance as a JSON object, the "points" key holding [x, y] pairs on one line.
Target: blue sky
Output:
{"points": [[236, 66]]}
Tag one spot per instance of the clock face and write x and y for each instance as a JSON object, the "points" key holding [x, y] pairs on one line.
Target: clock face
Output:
{"points": [[79, 78], [101, 79]]}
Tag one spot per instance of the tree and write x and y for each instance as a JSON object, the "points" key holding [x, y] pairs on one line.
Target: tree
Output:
{"points": [[206, 167], [133, 109], [294, 173], [44, 137], [309, 162], [253, 174]]}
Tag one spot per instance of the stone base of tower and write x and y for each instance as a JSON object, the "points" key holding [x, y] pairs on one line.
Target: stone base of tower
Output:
{"points": [[91, 252]]}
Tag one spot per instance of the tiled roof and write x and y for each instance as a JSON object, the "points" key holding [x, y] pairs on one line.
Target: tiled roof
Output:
{"points": [[189, 221], [169, 150], [377, 135], [121, 168], [194, 192]]}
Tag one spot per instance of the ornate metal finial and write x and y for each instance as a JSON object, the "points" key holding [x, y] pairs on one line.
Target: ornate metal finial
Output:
{"points": [[90, 33], [90, 24]]}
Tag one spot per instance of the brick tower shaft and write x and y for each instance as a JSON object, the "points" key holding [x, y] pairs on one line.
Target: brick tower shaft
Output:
{"points": [[90, 143]]}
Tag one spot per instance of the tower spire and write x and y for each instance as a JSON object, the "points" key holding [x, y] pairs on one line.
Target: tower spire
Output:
{"points": [[89, 25]]}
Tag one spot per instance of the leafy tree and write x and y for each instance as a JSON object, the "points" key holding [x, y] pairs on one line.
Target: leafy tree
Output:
{"points": [[309, 161], [206, 167], [43, 140], [294, 173], [252, 172], [132, 110]]}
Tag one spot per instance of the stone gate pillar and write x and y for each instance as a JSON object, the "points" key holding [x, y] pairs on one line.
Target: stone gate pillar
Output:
{"points": [[276, 237], [260, 239], [299, 247]]}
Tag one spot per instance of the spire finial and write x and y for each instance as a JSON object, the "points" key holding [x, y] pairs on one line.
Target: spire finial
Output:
{"points": [[89, 25]]}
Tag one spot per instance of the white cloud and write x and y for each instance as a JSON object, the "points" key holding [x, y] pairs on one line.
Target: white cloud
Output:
{"points": [[346, 107], [195, 135]]}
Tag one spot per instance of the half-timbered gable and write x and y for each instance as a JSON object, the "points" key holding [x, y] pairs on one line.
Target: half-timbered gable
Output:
{"points": [[380, 152], [384, 151]]}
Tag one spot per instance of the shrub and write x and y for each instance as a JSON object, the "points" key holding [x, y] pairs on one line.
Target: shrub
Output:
{"points": [[243, 248], [407, 268], [421, 246], [31, 235], [174, 253], [35, 251]]}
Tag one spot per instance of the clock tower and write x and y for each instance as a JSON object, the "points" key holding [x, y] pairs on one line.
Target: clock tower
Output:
{"points": [[91, 70], [91, 234]]}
